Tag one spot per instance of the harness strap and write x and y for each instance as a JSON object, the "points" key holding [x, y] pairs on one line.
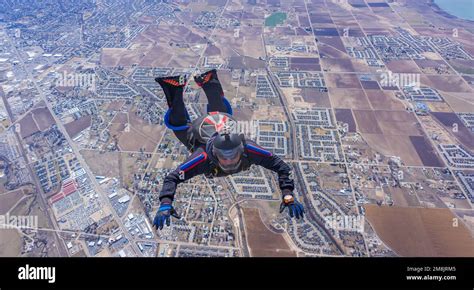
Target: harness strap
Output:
{"points": [[176, 128]]}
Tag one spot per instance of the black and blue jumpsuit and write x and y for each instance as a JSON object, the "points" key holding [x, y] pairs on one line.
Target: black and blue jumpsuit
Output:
{"points": [[202, 160]]}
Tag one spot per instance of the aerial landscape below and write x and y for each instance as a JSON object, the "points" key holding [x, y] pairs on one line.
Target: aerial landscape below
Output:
{"points": [[369, 104]]}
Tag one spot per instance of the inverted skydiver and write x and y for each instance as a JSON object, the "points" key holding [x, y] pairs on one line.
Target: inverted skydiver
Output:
{"points": [[216, 149]]}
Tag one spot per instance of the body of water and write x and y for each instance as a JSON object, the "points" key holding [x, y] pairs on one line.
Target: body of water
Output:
{"points": [[460, 8]]}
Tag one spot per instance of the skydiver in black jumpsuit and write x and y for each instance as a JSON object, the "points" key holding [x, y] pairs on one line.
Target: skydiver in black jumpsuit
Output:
{"points": [[224, 153]]}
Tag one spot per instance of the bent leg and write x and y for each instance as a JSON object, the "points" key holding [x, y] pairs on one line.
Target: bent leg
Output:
{"points": [[173, 88], [177, 117], [184, 137], [211, 85]]}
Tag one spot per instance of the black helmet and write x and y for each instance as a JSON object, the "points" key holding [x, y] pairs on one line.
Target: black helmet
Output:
{"points": [[228, 149]]}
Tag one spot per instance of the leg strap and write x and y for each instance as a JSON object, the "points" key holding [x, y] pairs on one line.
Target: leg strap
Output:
{"points": [[176, 128], [227, 105]]}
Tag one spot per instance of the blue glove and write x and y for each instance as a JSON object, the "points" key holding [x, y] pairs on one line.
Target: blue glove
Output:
{"points": [[289, 201], [163, 215]]}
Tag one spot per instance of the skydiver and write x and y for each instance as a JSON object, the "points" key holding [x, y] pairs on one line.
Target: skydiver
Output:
{"points": [[216, 150]]}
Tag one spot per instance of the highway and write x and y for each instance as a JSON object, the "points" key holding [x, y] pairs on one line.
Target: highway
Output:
{"points": [[104, 199], [291, 127], [310, 212], [40, 195]]}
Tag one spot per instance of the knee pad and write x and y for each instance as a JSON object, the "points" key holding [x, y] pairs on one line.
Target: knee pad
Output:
{"points": [[176, 128]]}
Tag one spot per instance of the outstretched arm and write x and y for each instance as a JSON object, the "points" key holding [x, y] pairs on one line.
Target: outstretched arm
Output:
{"points": [[265, 158], [195, 164]]}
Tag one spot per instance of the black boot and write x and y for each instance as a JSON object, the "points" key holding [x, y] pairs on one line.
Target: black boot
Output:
{"points": [[173, 88], [209, 82]]}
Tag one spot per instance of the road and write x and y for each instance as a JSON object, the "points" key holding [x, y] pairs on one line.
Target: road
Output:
{"points": [[42, 202], [351, 183], [310, 213], [291, 123], [240, 234], [78, 155]]}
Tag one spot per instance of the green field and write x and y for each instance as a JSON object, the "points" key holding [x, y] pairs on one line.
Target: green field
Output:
{"points": [[275, 19]]}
